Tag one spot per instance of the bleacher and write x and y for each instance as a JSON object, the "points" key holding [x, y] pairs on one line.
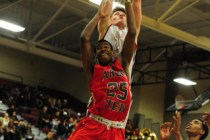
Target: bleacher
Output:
{"points": [[28, 109]]}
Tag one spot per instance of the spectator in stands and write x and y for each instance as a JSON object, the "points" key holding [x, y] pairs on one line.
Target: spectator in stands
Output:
{"points": [[14, 117], [48, 103], [27, 95], [58, 104], [4, 93], [11, 131], [6, 119], [39, 100], [21, 128], [64, 104], [44, 121], [64, 114], [71, 124], [195, 129], [50, 136], [2, 130], [11, 109], [52, 104], [56, 119], [21, 100], [62, 130], [29, 133], [15, 92]]}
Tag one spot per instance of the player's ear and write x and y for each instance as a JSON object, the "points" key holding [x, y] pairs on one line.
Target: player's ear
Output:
{"points": [[202, 132]]}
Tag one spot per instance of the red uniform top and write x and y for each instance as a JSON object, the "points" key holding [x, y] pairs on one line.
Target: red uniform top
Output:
{"points": [[110, 92]]}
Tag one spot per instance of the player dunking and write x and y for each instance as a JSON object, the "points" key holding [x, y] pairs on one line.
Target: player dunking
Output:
{"points": [[109, 84], [114, 29]]}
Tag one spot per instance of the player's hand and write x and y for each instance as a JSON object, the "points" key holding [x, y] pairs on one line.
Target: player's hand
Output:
{"points": [[206, 118], [177, 123], [165, 131], [105, 8]]}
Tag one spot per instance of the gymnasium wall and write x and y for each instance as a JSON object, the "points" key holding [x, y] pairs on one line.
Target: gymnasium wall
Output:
{"points": [[52, 74]]}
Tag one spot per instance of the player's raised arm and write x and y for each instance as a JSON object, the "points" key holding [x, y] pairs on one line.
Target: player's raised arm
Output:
{"points": [[129, 42], [105, 11], [137, 8], [86, 50], [177, 126]]}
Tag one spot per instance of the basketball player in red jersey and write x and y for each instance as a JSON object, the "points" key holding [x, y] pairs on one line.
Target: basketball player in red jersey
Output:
{"points": [[109, 84], [114, 29]]}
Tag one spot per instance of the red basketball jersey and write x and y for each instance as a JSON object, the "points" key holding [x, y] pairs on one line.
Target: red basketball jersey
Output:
{"points": [[110, 92]]}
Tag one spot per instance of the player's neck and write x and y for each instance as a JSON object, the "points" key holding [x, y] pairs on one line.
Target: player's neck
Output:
{"points": [[121, 26], [194, 138]]}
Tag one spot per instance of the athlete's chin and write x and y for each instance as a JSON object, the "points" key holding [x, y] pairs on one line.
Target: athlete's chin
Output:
{"points": [[121, 24], [105, 60], [118, 21]]}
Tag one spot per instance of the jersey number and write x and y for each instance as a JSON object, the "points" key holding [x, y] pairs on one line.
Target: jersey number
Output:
{"points": [[112, 87]]}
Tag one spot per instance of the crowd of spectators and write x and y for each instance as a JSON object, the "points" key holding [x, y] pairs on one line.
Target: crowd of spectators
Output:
{"points": [[52, 114], [14, 129]]}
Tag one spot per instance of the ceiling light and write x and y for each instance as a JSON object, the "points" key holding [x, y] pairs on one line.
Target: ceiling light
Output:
{"points": [[98, 2], [205, 102], [115, 4], [184, 81], [10, 26]]}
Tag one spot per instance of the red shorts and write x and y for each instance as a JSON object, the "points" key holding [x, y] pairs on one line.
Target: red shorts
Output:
{"points": [[89, 129]]}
